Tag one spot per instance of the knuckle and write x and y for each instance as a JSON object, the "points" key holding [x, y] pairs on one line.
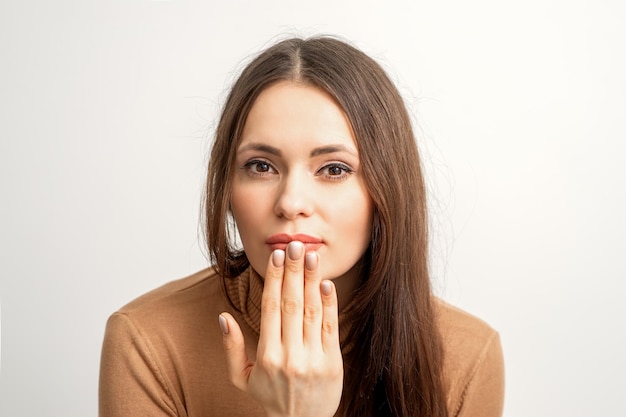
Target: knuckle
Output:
{"points": [[290, 306], [311, 312], [269, 305], [273, 274], [269, 362], [295, 370], [229, 345], [311, 279], [328, 327], [293, 267], [335, 372]]}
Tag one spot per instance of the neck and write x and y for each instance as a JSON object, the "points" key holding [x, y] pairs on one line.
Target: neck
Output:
{"points": [[346, 284]]}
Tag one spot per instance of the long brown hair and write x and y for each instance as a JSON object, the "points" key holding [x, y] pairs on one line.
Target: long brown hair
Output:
{"points": [[393, 354]]}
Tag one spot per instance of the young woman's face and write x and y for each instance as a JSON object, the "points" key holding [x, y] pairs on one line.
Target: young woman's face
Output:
{"points": [[298, 177]]}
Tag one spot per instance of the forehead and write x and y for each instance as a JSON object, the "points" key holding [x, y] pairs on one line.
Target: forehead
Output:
{"points": [[288, 113]]}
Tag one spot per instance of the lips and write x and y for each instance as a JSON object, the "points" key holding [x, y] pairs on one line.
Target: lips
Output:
{"points": [[281, 240]]}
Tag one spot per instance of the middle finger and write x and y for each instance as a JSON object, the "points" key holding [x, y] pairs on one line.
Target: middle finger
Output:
{"points": [[292, 299]]}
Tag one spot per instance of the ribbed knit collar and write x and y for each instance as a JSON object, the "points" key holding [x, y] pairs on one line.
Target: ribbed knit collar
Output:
{"points": [[245, 293]]}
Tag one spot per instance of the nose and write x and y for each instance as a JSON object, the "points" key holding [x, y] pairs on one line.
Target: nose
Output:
{"points": [[294, 197]]}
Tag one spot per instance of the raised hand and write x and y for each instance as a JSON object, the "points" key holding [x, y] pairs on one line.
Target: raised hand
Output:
{"points": [[298, 369]]}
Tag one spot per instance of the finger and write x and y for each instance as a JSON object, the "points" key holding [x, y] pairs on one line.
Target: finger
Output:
{"points": [[292, 295], [270, 301], [312, 301], [239, 366], [330, 318]]}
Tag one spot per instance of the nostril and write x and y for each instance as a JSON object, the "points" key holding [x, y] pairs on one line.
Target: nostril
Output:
{"points": [[293, 197], [291, 208]]}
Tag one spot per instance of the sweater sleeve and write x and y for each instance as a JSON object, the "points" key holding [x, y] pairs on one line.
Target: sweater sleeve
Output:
{"points": [[483, 395], [131, 382]]}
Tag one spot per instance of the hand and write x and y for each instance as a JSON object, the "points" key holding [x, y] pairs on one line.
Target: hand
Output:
{"points": [[299, 368]]}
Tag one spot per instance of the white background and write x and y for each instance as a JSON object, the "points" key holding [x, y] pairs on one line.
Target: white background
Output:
{"points": [[106, 115]]}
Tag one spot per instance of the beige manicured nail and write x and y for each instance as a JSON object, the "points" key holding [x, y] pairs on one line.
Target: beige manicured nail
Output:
{"points": [[327, 287], [310, 261], [295, 249], [278, 258], [223, 324]]}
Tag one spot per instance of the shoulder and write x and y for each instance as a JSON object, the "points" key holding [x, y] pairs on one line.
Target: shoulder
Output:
{"points": [[182, 308], [473, 363], [462, 331], [202, 284], [162, 352]]}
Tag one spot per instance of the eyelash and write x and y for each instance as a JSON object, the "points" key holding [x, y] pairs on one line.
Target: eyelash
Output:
{"points": [[346, 170], [248, 167]]}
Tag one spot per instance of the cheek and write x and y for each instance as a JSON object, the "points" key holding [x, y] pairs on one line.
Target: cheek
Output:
{"points": [[354, 218], [250, 212], [251, 208], [363, 223], [363, 207], [365, 219], [241, 203]]}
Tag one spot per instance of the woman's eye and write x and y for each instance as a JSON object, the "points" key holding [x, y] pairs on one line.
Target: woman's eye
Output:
{"points": [[335, 172], [261, 166], [258, 167]]}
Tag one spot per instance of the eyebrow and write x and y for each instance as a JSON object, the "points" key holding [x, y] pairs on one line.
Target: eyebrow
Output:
{"points": [[260, 147], [322, 150]]}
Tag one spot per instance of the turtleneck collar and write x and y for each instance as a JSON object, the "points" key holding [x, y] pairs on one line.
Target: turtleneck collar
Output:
{"points": [[245, 293]]}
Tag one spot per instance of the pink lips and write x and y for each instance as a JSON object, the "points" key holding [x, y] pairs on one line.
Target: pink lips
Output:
{"points": [[281, 240]]}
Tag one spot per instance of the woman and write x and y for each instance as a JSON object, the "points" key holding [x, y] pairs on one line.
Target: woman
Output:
{"points": [[328, 308]]}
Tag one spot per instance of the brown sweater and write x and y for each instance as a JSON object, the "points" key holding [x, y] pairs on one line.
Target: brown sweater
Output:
{"points": [[162, 354]]}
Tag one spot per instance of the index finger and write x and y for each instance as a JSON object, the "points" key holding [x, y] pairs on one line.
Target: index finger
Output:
{"points": [[270, 300], [293, 296]]}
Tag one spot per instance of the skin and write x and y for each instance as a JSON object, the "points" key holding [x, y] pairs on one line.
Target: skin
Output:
{"points": [[298, 173], [298, 370]]}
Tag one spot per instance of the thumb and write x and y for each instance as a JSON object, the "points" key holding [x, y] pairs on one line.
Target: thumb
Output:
{"points": [[239, 366]]}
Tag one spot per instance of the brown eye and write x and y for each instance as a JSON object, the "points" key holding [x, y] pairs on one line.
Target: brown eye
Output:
{"points": [[259, 167], [262, 167], [335, 170]]}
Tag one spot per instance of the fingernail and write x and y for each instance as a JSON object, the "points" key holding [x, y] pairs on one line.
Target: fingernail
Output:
{"points": [[327, 287], [310, 261], [278, 258], [295, 249], [223, 324]]}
